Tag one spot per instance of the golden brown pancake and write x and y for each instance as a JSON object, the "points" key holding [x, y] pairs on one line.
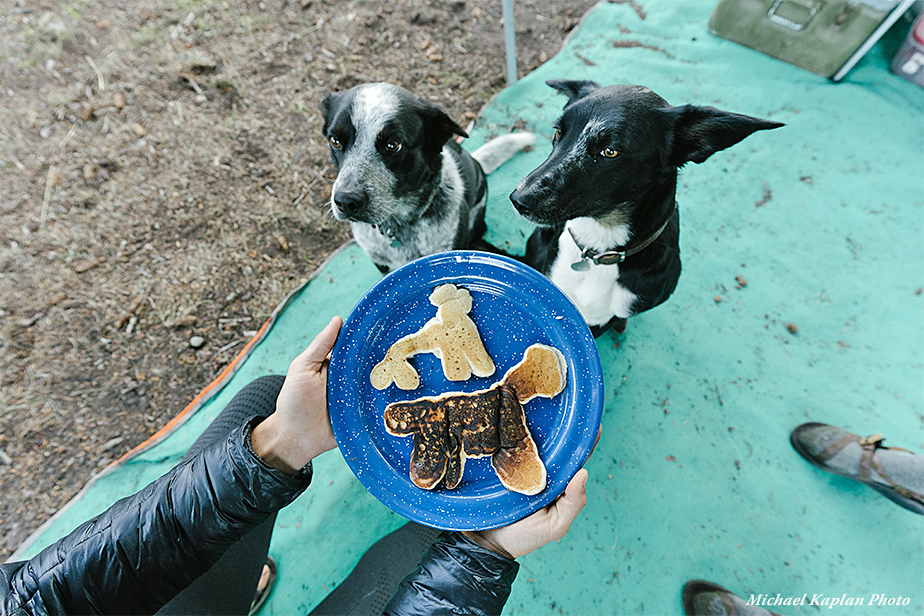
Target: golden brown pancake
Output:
{"points": [[451, 335]]}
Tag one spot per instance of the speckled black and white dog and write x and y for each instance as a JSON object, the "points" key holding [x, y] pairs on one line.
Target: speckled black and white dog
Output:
{"points": [[604, 199], [404, 184]]}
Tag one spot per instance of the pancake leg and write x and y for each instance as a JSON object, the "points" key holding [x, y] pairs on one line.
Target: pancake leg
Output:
{"points": [[473, 432], [395, 367], [517, 462], [426, 421], [455, 464], [428, 463]]}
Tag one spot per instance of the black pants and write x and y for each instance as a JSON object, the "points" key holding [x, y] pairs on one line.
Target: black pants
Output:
{"points": [[229, 586]]}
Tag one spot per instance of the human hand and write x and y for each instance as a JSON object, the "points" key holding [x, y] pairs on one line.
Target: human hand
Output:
{"points": [[300, 428], [542, 527]]}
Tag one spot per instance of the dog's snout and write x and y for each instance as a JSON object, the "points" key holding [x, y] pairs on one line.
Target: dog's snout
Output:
{"points": [[520, 200], [538, 199], [528, 194], [349, 203]]}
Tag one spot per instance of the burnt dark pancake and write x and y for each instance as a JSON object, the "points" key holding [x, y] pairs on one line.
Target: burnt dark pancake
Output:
{"points": [[426, 421], [450, 428]]}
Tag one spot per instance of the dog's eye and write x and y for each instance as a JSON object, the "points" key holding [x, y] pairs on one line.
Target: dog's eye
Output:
{"points": [[393, 146], [609, 152], [334, 142], [557, 135]]}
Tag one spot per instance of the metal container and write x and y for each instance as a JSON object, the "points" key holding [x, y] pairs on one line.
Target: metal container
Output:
{"points": [[820, 36]]}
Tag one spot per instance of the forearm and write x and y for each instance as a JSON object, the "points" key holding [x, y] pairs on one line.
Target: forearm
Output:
{"points": [[144, 549], [455, 576]]}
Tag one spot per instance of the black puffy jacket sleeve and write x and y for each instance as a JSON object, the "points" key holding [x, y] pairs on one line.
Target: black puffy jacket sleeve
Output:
{"points": [[143, 550], [455, 576]]}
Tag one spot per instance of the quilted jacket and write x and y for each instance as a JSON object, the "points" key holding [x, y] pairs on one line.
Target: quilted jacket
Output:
{"points": [[138, 554]]}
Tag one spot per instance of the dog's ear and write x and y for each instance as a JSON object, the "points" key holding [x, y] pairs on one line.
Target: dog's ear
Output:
{"points": [[438, 127], [574, 90], [327, 106], [700, 132]]}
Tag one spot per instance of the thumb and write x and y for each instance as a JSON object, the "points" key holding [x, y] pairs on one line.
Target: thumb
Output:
{"points": [[569, 505], [313, 357]]}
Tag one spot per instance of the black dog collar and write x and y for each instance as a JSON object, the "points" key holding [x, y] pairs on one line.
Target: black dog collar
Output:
{"points": [[612, 256]]}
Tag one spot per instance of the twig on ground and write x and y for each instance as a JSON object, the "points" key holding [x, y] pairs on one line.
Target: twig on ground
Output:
{"points": [[133, 308], [49, 189], [226, 347], [718, 395], [299, 198], [100, 80], [179, 112], [318, 177], [698, 409], [192, 82], [70, 135]]}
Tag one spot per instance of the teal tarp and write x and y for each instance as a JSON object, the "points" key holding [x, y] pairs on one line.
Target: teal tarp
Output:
{"points": [[694, 476]]}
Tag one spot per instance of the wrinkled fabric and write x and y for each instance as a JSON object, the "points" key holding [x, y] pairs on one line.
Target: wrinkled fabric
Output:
{"points": [[143, 550], [455, 576]]}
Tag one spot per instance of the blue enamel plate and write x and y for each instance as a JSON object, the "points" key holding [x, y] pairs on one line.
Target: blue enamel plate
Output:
{"points": [[513, 307]]}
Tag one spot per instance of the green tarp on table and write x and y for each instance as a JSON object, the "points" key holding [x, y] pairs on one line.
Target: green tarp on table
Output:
{"points": [[694, 476]]}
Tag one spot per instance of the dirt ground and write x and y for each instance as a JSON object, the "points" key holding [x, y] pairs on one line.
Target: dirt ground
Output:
{"points": [[164, 184]]}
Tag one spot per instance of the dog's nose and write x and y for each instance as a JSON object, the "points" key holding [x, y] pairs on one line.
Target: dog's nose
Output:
{"points": [[521, 200], [349, 203]]}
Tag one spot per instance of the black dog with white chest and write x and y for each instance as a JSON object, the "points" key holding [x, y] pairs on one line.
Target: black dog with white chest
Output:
{"points": [[404, 184], [604, 200]]}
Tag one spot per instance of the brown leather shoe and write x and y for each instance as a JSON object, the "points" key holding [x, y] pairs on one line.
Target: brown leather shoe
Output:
{"points": [[896, 473]]}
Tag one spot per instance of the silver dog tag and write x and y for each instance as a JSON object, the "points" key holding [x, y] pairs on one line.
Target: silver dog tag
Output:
{"points": [[581, 266]]}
